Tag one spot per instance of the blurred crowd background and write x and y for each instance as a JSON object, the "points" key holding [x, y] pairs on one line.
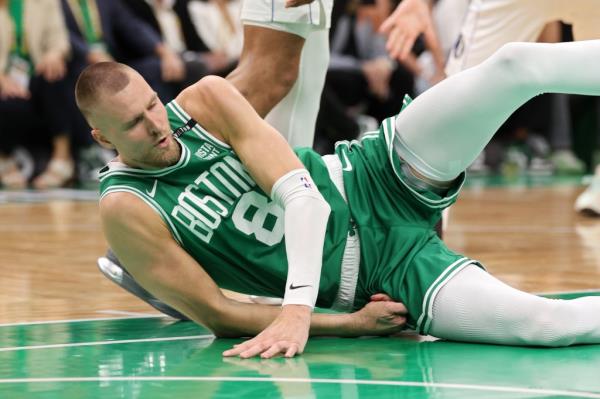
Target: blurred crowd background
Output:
{"points": [[45, 44]]}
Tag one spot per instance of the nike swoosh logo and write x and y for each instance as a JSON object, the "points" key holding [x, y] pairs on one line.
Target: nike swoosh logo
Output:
{"points": [[153, 191], [347, 165], [295, 287]]}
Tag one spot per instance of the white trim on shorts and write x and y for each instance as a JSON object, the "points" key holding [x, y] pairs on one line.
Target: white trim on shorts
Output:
{"points": [[426, 317], [344, 300]]}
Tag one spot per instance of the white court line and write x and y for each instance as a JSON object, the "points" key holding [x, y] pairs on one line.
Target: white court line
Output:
{"points": [[572, 292], [493, 388], [28, 323], [511, 229], [96, 343], [133, 314]]}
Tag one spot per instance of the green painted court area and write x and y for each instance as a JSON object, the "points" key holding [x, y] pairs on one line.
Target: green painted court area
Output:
{"points": [[155, 357]]}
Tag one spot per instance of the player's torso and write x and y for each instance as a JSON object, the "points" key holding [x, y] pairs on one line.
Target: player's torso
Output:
{"points": [[393, 220], [222, 218]]}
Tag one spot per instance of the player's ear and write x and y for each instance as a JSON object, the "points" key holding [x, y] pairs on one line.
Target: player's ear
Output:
{"points": [[100, 139]]}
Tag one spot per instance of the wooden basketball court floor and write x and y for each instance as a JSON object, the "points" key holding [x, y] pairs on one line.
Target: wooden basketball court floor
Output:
{"points": [[66, 332]]}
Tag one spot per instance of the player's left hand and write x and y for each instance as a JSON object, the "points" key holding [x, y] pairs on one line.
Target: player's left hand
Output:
{"points": [[286, 335], [407, 22], [296, 3]]}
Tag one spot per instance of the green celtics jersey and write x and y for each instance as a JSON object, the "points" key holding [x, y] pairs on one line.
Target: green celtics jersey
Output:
{"points": [[223, 219]]}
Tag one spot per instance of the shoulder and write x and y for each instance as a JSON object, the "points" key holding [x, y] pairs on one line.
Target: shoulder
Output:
{"points": [[206, 89], [206, 101], [126, 218], [124, 207], [118, 204]]}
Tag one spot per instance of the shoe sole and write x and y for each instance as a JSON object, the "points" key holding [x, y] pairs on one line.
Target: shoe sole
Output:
{"points": [[123, 279]]}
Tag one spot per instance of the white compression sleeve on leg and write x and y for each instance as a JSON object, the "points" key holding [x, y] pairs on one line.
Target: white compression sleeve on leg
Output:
{"points": [[306, 216], [476, 307], [444, 129], [295, 115]]}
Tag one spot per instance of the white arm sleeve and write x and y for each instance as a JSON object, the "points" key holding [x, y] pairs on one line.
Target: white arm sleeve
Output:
{"points": [[306, 216]]}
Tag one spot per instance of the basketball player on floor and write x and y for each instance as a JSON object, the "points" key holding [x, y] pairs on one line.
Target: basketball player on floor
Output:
{"points": [[281, 73], [204, 191]]}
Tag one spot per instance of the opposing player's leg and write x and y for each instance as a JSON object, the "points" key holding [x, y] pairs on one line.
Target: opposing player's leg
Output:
{"points": [[295, 115], [474, 306], [442, 131], [268, 66]]}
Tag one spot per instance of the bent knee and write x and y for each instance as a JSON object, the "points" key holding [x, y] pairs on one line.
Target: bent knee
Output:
{"points": [[267, 74], [515, 62]]}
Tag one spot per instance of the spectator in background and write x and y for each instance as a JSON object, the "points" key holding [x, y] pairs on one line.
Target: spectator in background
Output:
{"points": [[560, 132], [170, 19], [33, 50], [361, 78], [106, 30], [218, 24]]}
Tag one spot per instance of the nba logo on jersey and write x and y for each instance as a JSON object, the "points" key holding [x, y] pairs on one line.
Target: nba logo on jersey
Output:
{"points": [[306, 182], [207, 151]]}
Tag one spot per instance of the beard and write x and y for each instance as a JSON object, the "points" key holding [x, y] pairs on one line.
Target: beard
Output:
{"points": [[159, 158]]}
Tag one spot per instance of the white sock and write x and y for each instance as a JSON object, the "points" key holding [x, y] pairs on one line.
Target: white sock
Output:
{"points": [[476, 307]]}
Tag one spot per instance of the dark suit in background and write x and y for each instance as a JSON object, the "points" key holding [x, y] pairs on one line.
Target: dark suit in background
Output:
{"points": [[127, 39], [197, 57]]}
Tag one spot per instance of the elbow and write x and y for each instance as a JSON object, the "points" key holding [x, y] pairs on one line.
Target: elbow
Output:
{"points": [[324, 208], [225, 333], [219, 322], [222, 329]]}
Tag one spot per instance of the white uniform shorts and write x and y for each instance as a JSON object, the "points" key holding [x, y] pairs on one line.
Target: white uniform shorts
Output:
{"points": [[301, 20], [489, 24]]}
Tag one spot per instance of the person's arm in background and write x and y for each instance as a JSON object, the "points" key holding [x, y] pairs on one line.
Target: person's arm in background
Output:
{"points": [[145, 40], [376, 65], [410, 19], [52, 65], [80, 49]]}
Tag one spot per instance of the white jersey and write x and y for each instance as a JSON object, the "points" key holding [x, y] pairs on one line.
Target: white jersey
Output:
{"points": [[489, 24]]}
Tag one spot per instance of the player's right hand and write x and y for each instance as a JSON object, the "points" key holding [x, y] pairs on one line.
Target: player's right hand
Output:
{"points": [[380, 317], [286, 335]]}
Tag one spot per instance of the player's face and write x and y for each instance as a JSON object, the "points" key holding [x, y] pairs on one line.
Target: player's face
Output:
{"points": [[135, 122]]}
